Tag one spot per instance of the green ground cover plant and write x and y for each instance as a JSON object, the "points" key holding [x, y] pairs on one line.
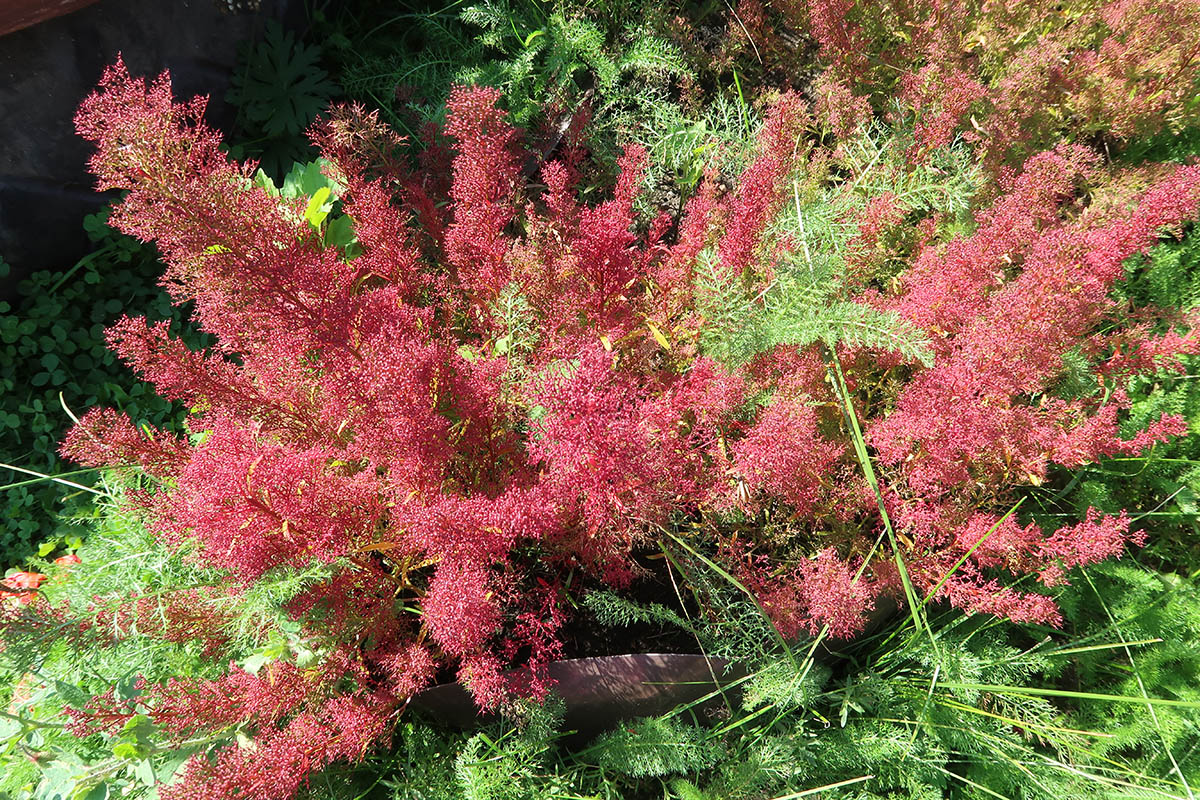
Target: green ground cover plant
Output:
{"points": [[865, 365], [53, 331], [53, 350]]}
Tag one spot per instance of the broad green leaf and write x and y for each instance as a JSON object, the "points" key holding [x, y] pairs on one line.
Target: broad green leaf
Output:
{"points": [[126, 750], [318, 209], [340, 233], [144, 772]]}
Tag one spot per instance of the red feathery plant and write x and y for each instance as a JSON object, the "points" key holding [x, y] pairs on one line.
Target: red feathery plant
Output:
{"points": [[499, 386]]}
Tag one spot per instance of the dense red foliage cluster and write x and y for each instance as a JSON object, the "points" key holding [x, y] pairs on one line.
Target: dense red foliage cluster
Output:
{"points": [[1012, 76], [379, 415]]}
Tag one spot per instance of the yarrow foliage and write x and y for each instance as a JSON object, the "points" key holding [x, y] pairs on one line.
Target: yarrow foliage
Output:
{"points": [[500, 384]]}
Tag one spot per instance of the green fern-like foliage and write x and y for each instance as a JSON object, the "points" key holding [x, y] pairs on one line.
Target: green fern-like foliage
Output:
{"points": [[1168, 145], [1169, 276], [946, 181], [514, 762], [1166, 478], [805, 304], [1156, 620], [539, 55], [654, 747], [53, 659], [809, 298], [488, 772], [613, 610], [682, 145], [781, 686]]}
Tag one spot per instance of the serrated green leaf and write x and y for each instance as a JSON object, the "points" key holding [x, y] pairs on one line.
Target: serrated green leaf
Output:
{"points": [[71, 694], [126, 688]]}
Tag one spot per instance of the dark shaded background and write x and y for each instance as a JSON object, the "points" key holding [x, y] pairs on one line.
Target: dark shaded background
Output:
{"points": [[46, 69]]}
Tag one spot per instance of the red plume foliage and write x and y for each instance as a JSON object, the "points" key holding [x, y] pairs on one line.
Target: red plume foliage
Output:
{"points": [[380, 414]]}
